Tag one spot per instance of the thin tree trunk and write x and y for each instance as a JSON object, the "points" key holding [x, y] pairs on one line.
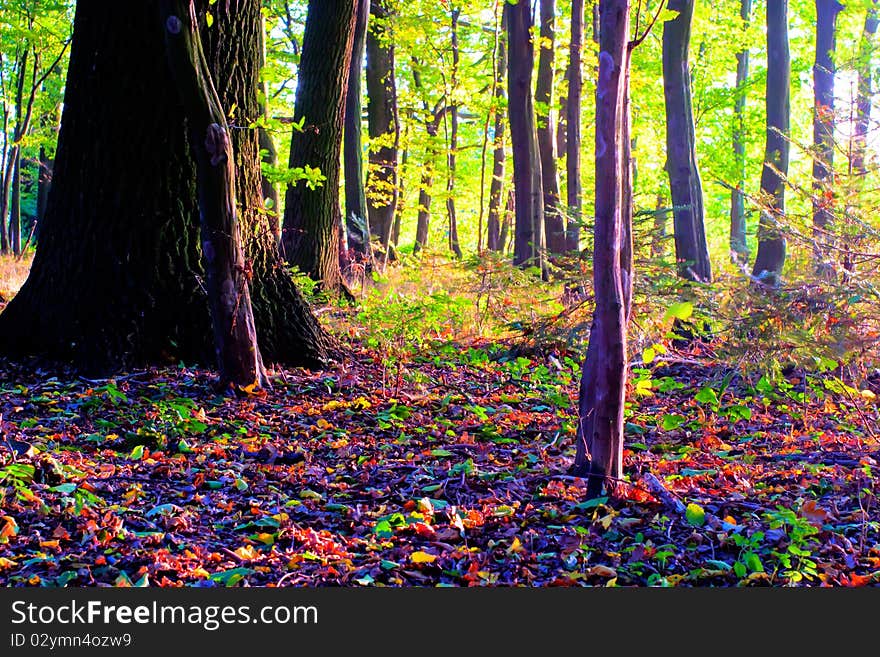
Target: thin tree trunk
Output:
{"points": [[383, 123], [603, 383], [496, 188], [15, 207], [691, 250], [554, 220], [44, 184], [356, 219], [562, 123], [271, 198], [771, 241], [454, 245], [432, 126], [312, 217], [739, 251], [509, 213], [529, 227], [574, 193], [823, 133], [865, 90]]}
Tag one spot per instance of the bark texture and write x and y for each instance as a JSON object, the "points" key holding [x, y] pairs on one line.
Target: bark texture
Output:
{"points": [[691, 250], [739, 251], [496, 187], [528, 248], [823, 133], [356, 221], [554, 220], [574, 192], [603, 383], [771, 240], [312, 217], [384, 127]]}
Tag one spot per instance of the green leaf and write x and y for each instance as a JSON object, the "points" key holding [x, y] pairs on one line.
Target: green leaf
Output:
{"points": [[753, 561], [672, 421], [183, 447], [719, 565], [67, 489], [680, 311], [740, 569], [695, 515], [648, 355], [229, 578], [707, 395], [137, 453]]}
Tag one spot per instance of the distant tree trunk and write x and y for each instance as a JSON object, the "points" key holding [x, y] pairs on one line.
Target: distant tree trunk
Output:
{"points": [[771, 241], [432, 126], [562, 123], [865, 89], [554, 220], [271, 198], [383, 123], [603, 383], [454, 245], [356, 219], [44, 184], [739, 251], [574, 194], [312, 217], [496, 187], [229, 298], [691, 250], [15, 206], [117, 279], [528, 250], [509, 212], [401, 197], [658, 235], [823, 133]]}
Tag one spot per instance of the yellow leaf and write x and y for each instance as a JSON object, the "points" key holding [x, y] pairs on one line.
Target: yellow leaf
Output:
{"points": [[422, 557], [10, 528], [7, 563], [246, 553], [516, 546], [868, 395]]}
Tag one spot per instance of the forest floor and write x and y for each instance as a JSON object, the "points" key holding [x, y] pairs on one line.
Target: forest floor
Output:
{"points": [[443, 467]]}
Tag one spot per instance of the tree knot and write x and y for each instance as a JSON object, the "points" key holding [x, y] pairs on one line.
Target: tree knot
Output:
{"points": [[217, 144]]}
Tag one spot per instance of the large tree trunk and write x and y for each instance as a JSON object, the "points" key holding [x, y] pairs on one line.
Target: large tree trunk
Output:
{"points": [[229, 297], [554, 221], [739, 251], [117, 280], [771, 241], [452, 134], [574, 194], [383, 124], [823, 133], [356, 220], [496, 187], [691, 250], [603, 383], [312, 217], [528, 250]]}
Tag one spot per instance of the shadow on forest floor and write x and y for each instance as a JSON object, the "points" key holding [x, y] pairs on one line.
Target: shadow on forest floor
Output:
{"points": [[449, 472]]}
